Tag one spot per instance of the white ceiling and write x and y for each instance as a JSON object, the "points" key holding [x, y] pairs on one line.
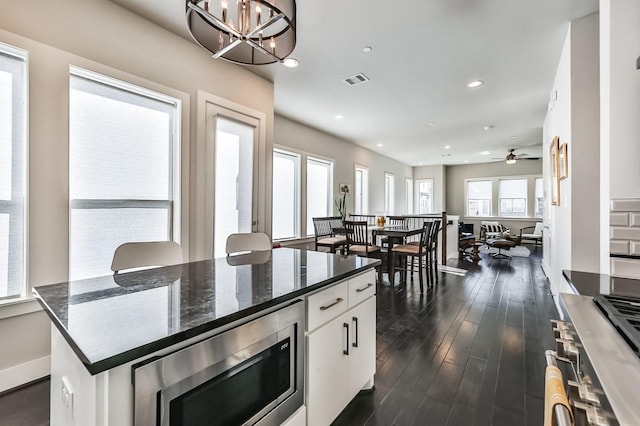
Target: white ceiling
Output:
{"points": [[424, 53]]}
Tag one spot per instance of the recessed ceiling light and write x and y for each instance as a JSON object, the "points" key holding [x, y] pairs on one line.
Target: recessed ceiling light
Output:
{"points": [[485, 153], [488, 127], [447, 146], [290, 63], [465, 161], [431, 123], [379, 144], [367, 49], [514, 137], [338, 116], [420, 163], [475, 83]]}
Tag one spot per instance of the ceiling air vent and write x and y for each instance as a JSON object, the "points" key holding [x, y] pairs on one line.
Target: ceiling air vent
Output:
{"points": [[356, 79]]}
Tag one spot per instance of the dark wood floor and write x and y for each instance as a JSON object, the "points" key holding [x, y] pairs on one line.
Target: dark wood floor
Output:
{"points": [[468, 352]]}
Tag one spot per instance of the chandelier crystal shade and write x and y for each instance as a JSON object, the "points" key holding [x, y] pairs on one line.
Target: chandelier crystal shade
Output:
{"points": [[250, 32]]}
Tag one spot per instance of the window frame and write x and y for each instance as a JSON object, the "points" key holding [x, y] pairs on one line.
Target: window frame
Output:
{"points": [[364, 197], [409, 189], [296, 189], [512, 199], [310, 231], [389, 193], [19, 143], [468, 200], [173, 204]]}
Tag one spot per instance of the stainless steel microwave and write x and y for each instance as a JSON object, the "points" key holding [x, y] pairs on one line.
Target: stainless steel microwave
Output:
{"points": [[252, 374]]}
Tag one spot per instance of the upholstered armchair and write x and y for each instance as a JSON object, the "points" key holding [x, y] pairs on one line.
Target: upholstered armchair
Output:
{"points": [[490, 230], [532, 233]]}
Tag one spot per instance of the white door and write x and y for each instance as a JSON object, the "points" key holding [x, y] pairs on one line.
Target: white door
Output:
{"points": [[232, 181]]}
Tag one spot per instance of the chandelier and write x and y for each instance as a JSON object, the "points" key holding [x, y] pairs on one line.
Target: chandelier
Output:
{"points": [[252, 32]]}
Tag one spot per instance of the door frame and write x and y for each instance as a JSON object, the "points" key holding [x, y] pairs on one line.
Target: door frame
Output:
{"points": [[208, 108]]}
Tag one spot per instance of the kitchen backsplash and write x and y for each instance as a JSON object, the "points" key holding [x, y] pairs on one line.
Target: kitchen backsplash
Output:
{"points": [[624, 237]]}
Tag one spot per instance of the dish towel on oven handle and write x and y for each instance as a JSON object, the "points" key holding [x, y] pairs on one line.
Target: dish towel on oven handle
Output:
{"points": [[554, 394]]}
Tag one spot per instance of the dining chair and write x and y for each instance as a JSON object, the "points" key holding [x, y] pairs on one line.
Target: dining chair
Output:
{"points": [[358, 242], [146, 254], [325, 235], [432, 257], [247, 242], [420, 251]]}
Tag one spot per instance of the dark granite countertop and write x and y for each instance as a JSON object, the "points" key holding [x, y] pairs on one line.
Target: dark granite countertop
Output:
{"points": [[112, 320], [591, 284]]}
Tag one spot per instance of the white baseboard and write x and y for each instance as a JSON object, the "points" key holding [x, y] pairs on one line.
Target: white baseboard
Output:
{"points": [[24, 373]]}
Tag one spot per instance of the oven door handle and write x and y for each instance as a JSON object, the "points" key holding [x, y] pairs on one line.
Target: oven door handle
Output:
{"points": [[562, 414]]}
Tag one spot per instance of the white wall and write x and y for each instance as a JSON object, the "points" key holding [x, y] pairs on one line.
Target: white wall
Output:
{"points": [[103, 37], [301, 138], [574, 118], [619, 111]]}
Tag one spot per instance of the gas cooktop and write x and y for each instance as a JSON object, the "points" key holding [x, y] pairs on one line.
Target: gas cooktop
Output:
{"points": [[624, 313]]}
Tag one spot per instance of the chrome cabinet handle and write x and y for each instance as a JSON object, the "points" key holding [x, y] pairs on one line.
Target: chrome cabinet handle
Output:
{"points": [[325, 307], [355, 320], [358, 290], [346, 351]]}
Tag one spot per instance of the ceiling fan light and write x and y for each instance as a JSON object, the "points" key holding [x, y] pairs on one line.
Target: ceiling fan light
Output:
{"points": [[511, 161]]}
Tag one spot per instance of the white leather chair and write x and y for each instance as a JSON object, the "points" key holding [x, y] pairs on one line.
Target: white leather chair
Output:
{"points": [[247, 242], [146, 254]]}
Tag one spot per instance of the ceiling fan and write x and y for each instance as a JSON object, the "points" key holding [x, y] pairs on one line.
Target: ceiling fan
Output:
{"points": [[512, 158]]}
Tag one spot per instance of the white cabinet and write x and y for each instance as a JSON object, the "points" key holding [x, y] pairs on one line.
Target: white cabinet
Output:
{"points": [[341, 352]]}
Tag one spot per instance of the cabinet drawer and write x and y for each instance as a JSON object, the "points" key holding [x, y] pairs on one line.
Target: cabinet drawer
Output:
{"points": [[326, 305], [362, 287]]}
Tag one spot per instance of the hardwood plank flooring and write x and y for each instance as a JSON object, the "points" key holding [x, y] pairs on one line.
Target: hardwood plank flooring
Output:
{"points": [[470, 351]]}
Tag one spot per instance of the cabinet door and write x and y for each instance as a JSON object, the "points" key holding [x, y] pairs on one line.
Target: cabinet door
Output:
{"points": [[328, 371], [362, 355]]}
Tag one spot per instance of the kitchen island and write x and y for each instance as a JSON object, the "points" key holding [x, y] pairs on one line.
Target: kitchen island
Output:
{"points": [[102, 326]]}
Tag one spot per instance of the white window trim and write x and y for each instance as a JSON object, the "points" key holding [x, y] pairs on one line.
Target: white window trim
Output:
{"points": [[311, 232], [365, 192], [297, 190], [174, 205], [389, 204], [409, 187], [24, 302]]}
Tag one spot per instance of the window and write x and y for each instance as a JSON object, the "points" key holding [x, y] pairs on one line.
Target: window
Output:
{"points": [[389, 194], [286, 195], [539, 194], [409, 195], [513, 197], [361, 196], [13, 152], [319, 190], [123, 169], [425, 196], [479, 198]]}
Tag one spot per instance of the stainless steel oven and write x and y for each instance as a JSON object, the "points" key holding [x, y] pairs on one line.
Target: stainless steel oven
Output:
{"points": [[600, 363], [251, 374]]}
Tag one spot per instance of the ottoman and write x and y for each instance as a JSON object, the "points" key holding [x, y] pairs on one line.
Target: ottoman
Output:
{"points": [[500, 244]]}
